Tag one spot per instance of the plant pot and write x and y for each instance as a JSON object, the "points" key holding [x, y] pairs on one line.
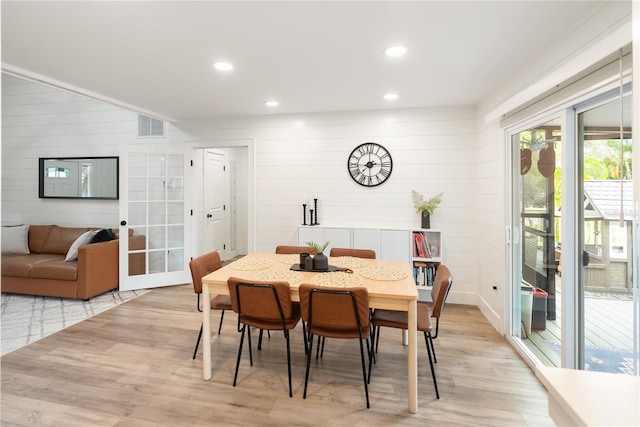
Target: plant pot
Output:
{"points": [[426, 221], [320, 262]]}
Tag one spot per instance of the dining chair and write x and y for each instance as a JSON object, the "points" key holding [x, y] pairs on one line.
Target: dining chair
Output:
{"points": [[356, 253], [336, 313], [264, 305], [200, 267], [285, 250], [398, 319]]}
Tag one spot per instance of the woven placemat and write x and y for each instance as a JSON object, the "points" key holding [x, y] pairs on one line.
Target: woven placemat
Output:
{"points": [[377, 272], [248, 264], [337, 279], [348, 261], [289, 259], [291, 277]]}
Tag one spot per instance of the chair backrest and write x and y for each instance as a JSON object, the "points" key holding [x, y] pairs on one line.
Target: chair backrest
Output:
{"points": [[357, 253], [335, 312], [265, 300], [441, 286], [201, 266], [285, 250]]}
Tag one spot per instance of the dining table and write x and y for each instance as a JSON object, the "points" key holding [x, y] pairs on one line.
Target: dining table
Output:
{"points": [[390, 285]]}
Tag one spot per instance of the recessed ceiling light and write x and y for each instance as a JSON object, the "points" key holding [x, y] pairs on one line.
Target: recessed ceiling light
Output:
{"points": [[395, 50], [223, 66], [271, 103], [390, 96]]}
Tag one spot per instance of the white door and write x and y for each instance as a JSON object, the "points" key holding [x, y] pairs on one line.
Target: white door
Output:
{"points": [[216, 230], [61, 178], [155, 217]]}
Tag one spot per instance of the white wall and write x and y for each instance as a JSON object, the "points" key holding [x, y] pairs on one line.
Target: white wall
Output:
{"points": [[40, 121], [433, 151]]}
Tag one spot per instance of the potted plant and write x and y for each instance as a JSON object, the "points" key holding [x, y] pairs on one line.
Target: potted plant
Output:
{"points": [[320, 261], [425, 207]]}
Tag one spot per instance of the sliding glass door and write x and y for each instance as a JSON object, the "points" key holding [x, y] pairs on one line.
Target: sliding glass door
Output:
{"points": [[572, 269]]}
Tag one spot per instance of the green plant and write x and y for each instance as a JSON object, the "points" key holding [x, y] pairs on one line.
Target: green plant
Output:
{"points": [[425, 207], [318, 247]]}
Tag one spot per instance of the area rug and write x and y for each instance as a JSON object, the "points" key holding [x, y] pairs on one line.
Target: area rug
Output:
{"points": [[25, 318], [603, 359]]}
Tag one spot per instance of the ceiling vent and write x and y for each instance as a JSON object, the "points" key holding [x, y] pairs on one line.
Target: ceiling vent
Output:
{"points": [[148, 126]]}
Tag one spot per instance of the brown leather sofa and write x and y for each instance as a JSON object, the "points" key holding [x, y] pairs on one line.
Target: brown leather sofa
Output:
{"points": [[45, 272]]}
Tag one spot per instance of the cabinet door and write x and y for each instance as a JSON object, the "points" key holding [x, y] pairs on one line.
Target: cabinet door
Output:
{"points": [[337, 237], [395, 244], [367, 238], [310, 234]]}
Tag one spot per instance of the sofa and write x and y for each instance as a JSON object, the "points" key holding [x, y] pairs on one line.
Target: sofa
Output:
{"points": [[68, 262]]}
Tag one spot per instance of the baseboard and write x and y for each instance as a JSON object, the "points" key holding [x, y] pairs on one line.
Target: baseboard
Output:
{"points": [[494, 318]]}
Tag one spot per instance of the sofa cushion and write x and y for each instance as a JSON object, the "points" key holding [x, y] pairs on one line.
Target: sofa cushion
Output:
{"points": [[83, 239], [21, 265], [37, 236], [15, 239], [55, 269], [60, 239], [104, 235]]}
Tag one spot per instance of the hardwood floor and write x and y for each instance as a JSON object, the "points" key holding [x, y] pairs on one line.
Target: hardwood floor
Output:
{"points": [[132, 366]]}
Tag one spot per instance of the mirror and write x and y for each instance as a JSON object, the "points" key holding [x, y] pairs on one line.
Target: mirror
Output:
{"points": [[79, 178]]}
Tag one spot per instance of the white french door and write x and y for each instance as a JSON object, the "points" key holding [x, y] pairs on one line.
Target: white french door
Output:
{"points": [[155, 216]]}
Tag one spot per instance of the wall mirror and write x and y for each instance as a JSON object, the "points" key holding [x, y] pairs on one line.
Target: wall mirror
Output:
{"points": [[79, 178]]}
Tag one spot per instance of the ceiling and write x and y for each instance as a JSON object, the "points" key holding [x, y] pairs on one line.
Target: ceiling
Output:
{"points": [[155, 57]]}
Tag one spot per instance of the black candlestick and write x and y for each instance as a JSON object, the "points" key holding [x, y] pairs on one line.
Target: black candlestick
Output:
{"points": [[311, 215], [304, 214], [315, 206]]}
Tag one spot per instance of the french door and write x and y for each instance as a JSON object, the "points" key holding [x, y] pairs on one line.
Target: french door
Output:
{"points": [[155, 216]]}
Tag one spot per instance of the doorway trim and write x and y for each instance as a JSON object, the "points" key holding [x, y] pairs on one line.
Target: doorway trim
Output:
{"points": [[249, 144]]}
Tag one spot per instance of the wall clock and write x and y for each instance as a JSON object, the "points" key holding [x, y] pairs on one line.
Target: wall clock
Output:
{"points": [[370, 164]]}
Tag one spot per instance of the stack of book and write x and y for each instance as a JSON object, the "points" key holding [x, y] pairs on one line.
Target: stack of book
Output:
{"points": [[424, 272], [421, 247]]}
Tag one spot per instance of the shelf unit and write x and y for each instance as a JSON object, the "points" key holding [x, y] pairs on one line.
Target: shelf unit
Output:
{"points": [[426, 251]]}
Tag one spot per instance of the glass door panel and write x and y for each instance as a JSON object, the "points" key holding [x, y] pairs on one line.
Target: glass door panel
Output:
{"points": [[606, 280], [537, 247]]}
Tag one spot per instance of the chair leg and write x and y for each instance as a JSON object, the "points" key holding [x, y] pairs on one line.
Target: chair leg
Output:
{"points": [[318, 347], [197, 342], [306, 375], [235, 377], [221, 318], [377, 337], [286, 336], [260, 340], [433, 372], [433, 349], [250, 350], [364, 372]]}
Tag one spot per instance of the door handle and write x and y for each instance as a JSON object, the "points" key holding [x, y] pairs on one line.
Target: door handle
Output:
{"points": [[209, 215], [123, 223]]}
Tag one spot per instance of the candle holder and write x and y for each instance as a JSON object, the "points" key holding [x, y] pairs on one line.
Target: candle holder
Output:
{"points": [[304, 214], [315, 206], [311, 217]]}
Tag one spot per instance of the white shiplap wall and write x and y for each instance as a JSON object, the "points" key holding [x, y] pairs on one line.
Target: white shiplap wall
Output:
{"points": [[433, 151], [41, 121]]}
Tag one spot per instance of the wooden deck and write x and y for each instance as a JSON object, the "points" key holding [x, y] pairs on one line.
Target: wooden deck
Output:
{"points": [[608, 324]]}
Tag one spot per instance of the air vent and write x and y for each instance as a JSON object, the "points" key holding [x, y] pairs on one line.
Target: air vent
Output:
{"points": [[148, 126]]}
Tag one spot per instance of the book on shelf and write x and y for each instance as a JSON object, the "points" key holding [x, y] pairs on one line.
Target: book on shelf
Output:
{"points": [[422, 249], [424, 272]]}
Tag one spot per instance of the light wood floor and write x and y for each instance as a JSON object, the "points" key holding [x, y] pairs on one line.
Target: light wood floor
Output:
{"points": [[132, 366]]}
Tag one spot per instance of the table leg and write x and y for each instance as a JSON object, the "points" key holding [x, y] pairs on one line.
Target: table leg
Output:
{"points": [[412, 378], [206, 332]]}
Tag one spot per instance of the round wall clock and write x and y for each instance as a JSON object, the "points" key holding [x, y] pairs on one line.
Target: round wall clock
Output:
{"points": [[370, 164]]}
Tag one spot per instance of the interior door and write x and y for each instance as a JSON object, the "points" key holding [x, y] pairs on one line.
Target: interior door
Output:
{"points": [[215, 202], [62, 178], [154, 215]]}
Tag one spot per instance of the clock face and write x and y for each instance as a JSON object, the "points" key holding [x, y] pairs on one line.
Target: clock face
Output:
{"points": [[370, 164]]}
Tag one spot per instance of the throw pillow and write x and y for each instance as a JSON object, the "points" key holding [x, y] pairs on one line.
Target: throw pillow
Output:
{"points": [[83, 239], [103, 235], [15, 239]]}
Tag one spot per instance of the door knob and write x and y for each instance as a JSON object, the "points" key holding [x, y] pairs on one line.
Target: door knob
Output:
{"points": [[209, 215], [123, 223]]}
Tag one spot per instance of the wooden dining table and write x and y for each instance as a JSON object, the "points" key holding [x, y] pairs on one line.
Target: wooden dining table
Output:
{"points": [[394, 288]]}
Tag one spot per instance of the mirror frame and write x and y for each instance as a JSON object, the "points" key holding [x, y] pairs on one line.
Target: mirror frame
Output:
{"points": [[41, 163]]}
